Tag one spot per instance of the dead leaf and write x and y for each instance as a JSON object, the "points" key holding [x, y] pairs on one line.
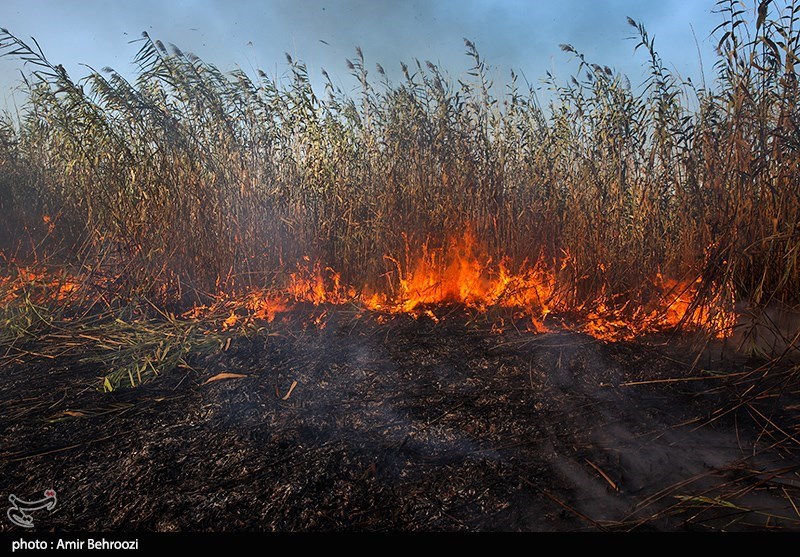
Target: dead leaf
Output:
{"points": [[287, 395], [221, 376], [74, 413]]}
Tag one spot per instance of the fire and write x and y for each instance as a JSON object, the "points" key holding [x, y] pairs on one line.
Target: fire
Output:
{"points": [[266, 305], [309, 284], [676, 304], [38, 285], [230, 321], [317, 285], [679, 299], [604, 322], [463, 274], [460, 272]]}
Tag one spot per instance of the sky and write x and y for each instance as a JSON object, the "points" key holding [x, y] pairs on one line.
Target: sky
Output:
{"points": [[523, 35]]}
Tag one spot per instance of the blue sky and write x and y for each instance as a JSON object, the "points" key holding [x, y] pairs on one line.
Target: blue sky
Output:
{"points": [[519, 34]]}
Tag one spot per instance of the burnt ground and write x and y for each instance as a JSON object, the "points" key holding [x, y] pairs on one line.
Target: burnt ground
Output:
{"points": [[407, 425]]}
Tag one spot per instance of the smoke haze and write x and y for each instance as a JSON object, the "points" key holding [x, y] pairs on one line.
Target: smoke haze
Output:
{"points": [[510, 34]]}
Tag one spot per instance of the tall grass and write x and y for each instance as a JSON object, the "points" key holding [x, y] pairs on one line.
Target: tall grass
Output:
{"points": [[188, 181]]}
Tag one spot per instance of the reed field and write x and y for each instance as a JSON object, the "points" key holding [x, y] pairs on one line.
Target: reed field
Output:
{"points": [[191, 192]]}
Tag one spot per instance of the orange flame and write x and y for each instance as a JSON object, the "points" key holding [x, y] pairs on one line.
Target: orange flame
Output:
{"points": [[315, 285], [39, 285], [266, 305], [679, 300], [461, 272], [675, 305]]}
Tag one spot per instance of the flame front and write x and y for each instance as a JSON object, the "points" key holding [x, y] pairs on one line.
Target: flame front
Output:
{"points": [[462, 275], [460, 272]]}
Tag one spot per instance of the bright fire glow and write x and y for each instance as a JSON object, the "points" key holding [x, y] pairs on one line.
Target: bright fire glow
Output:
{"points": [[462, 275], [459, 273], [37, 285]]}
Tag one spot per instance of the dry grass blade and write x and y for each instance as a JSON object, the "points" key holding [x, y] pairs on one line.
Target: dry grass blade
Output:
{"points": [[605, 476], [223, 377]]}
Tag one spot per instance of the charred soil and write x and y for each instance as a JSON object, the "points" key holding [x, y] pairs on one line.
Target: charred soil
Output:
{"points": [[396, 423]]}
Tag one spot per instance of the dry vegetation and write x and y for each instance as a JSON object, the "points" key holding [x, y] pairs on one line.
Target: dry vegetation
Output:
{"points": [[149, 196], [163, 224]]}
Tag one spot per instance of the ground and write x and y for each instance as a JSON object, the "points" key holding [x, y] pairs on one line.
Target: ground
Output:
{"points": [[396, 423]]}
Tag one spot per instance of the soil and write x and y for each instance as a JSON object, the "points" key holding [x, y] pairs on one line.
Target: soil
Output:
{"points": [[396, 423]]}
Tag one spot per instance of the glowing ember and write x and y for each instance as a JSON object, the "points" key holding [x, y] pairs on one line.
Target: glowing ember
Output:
{"points": [[38, 286]]}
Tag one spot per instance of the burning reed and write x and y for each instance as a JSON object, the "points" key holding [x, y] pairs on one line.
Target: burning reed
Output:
{"points": [[637, 208]]}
